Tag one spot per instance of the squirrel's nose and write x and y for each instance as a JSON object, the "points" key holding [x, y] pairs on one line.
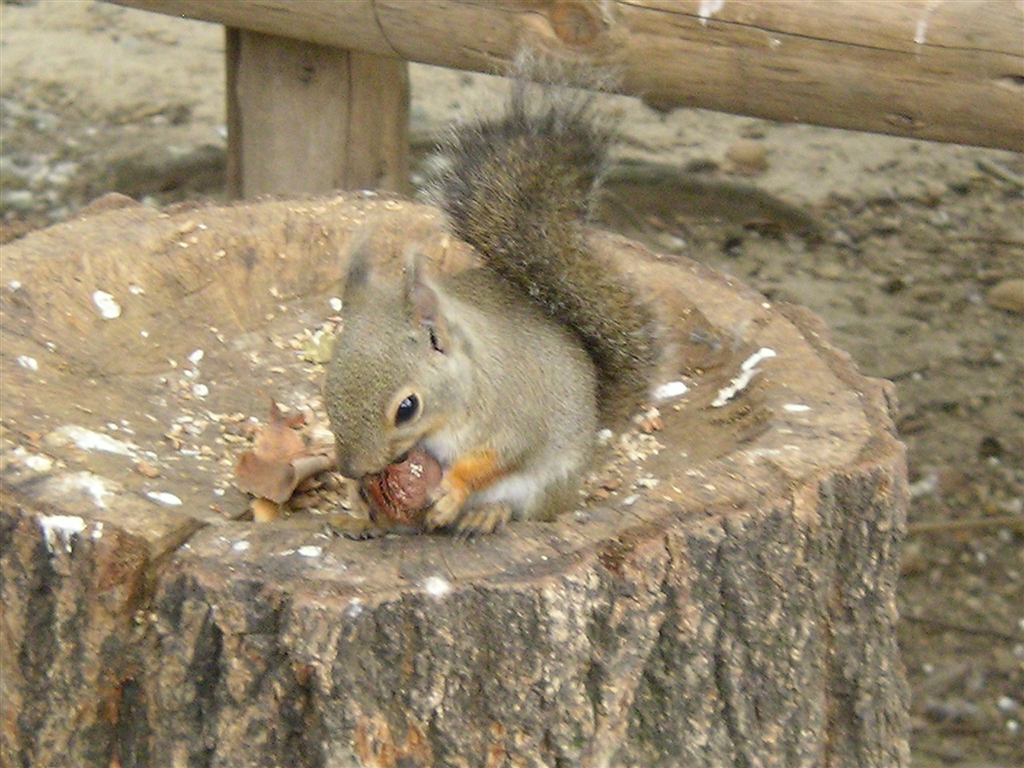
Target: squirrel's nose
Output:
{"points": [[349, 466], [355, 467], [353, 470]]}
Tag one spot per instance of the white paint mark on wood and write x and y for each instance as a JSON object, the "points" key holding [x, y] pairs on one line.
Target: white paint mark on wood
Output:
{"points": [[37, 462], [436, 586], [89, 440], [669, 390], [921, 30], [747, 371], [106, 304], [707, 9], [61, 527], [163, 497], [93, 485]]}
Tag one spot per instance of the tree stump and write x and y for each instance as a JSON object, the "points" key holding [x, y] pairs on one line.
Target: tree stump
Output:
{"points": [[725, 597]]}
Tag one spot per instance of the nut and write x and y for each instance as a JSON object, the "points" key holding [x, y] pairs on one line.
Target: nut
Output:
{"points": [[400, 493]]}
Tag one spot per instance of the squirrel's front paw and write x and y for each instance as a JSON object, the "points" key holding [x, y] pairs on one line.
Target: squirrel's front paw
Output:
{"points": [[447, 501]]}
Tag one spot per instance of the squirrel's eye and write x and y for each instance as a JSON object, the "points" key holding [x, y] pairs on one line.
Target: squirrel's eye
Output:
{"points": [[407, 410]]}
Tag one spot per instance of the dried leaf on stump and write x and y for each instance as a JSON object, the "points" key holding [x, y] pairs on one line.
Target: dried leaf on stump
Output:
{"points": [[280, 458]]}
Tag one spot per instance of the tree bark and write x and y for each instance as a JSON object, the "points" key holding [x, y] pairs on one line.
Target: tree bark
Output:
{"points": [[728, 600]]}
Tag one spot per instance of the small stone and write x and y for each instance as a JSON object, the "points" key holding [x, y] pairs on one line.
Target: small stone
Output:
{"points": [[914, 560], [1008, 295], [146, 469], [670, 243], [830, 270], [17, 199], [747, 156]]}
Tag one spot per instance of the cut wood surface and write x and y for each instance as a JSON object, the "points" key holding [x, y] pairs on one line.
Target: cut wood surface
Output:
{"points": [[306, 118], [946, 71], [725, 597]]}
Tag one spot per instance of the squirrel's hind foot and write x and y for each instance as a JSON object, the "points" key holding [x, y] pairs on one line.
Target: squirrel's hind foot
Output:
{"points": [[481, 520], [449, 513]]}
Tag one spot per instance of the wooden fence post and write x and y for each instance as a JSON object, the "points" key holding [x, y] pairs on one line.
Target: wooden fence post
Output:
{"points": [[305, 118]]}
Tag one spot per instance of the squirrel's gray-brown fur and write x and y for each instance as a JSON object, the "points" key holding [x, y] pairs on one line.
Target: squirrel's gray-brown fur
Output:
{"points": [[497, 373], [519, 188]]}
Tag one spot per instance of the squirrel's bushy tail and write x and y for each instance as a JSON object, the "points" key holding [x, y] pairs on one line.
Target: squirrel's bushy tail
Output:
{"points": [[518, 188]]}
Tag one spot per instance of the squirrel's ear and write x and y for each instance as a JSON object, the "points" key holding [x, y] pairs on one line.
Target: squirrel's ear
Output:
{"points": [[358, 268], [424, 302]]}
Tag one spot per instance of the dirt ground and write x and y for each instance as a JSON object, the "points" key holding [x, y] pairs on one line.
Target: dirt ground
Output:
{"points": [[912, 252]]}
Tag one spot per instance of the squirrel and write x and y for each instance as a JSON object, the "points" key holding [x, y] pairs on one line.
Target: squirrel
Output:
{"points": [[501, 372]]}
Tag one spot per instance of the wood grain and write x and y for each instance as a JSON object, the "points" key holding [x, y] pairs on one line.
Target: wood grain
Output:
{"points": [[310, 118], [945, 71]]}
